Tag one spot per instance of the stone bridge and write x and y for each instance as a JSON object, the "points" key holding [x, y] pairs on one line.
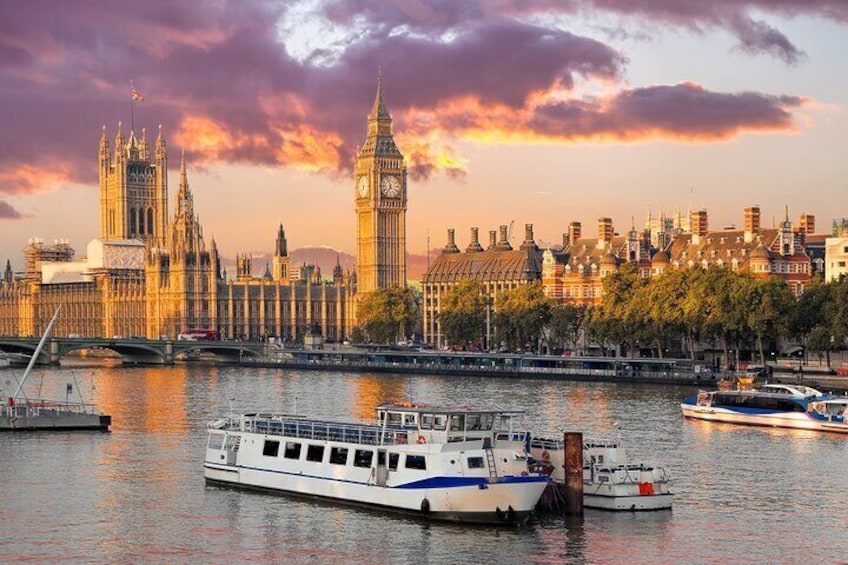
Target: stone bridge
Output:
{"points": [[133, 350]]}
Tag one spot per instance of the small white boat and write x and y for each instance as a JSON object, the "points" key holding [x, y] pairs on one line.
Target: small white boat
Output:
{"points": [[21, 413], [777, 405], [435, 462], [610, 480]]}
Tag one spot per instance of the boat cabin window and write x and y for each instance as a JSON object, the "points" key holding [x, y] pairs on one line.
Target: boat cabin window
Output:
{"points": [[476, 422], [216, 441], [292, 450], [271, 448], [381, 458], [338, 456], [394, 418], [393, 461], [457, 422], [315, 453], [475, 462], [362, 458], [504, 422], [409, 419], [433, 421], [416, 462]]}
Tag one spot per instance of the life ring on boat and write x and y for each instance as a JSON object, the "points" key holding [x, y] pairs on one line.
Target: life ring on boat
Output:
{"points": [[400, 438], [422, 439], [546, 456]]}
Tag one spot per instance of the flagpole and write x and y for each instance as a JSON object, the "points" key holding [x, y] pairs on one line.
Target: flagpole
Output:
{"points": [[132, 108]]}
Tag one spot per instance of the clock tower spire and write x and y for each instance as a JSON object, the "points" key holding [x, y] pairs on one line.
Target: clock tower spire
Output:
{"points": [[380, 195]]}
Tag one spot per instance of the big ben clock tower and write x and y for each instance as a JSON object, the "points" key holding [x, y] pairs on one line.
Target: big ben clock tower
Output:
{"points": [[380, 194]]}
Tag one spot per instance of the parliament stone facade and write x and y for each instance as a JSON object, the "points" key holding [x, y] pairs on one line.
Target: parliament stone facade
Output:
{"points": [[151, 276]]}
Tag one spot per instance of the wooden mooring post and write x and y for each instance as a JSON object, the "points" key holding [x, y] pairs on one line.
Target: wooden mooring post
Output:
{"points": [[573, 446]]}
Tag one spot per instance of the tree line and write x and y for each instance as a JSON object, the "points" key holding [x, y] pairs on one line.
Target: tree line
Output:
{"points": [[681, 308]]}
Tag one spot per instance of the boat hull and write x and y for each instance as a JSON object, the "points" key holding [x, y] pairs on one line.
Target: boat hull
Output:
{"points": [[56, 420], [505, 500], [620, 502], [794, 420]]}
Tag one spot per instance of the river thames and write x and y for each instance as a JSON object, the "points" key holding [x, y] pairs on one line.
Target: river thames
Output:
{"points": [[137, 494]]}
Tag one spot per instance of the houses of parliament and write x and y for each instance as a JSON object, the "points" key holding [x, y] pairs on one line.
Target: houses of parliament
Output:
{"points": [[152, 275]]}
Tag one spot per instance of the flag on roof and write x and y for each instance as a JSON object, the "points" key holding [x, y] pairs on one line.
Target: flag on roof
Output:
{"points": [[136, 95]]}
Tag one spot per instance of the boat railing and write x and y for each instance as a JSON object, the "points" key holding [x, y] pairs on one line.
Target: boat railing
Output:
{"points": [[33, 408], [549, 442], [365, 434]]}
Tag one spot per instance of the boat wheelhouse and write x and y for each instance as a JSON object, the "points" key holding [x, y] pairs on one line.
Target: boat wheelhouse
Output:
{"points": [[777, 405], [437, 462]]}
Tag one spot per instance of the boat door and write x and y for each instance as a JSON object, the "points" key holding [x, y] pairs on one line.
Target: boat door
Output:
{"points": [[382, 472]]}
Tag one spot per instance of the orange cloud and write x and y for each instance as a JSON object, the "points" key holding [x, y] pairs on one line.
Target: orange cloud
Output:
{"points": [[29, 179], [310, 149]]}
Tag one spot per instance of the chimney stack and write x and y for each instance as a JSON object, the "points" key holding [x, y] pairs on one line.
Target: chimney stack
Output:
{"points": [[752, 222], [493, 240], [605, 229], [698, 222], [503, 244], [451, 246], [474, 246], [528, 238]]}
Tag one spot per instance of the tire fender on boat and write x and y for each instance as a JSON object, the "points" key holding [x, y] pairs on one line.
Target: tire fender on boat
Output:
{"points": [[425, 506], [546, 456]]}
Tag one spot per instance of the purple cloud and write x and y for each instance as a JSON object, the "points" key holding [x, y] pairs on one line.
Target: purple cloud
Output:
{"points": [[7, 212]]}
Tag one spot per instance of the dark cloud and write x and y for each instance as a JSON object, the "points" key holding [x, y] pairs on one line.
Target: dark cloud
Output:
{"points": [[683, 111], [221, 80], [7, 212], [732, 15]]}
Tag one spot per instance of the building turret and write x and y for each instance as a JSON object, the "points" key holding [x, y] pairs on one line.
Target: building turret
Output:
{"points": [[8, 275]]}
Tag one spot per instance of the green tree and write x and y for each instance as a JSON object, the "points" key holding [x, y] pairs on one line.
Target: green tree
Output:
{"points": [[522, 314], [386, 314], [568, 323], [770, 304], [463, 313]]}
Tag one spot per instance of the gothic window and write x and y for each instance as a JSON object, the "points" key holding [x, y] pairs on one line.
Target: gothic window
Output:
{"points": [[132, 221], [150, 221], [141, 222]]}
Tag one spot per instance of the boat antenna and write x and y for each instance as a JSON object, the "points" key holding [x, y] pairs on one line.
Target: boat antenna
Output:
{"points": [[79, 390], [37, 352]]}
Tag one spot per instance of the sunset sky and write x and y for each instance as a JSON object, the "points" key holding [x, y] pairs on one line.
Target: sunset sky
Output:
{"points": [[539, 111]]}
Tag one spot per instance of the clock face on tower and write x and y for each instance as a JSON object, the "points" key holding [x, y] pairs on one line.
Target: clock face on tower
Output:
{"points": [[362, 188], [390, 186]]}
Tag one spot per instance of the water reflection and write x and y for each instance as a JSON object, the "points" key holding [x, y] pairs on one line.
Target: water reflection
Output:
{"points": [[137, 493]]}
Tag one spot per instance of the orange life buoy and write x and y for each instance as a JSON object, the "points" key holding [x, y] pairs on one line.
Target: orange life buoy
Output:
{"points": [[546, 456], [422, 439]]}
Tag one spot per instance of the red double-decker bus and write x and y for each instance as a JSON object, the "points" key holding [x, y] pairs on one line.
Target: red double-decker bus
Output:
{"points": [[197, 334]]}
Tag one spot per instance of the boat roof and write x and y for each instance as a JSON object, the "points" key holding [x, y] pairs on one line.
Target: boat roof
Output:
{"points": [[444, 409], [794, 390]]}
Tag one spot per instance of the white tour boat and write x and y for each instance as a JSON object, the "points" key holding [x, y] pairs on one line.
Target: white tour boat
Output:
{"points": [[610, 480], [778, 405], [436, 462], [21, 413]]}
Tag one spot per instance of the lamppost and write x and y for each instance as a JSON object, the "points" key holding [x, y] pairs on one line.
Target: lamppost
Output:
{"points": [[488, 300]]}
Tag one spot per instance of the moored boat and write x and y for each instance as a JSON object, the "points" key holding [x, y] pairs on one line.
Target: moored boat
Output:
{"points": [[777, 405], [611, 481], [21, 413], [436, 462]]}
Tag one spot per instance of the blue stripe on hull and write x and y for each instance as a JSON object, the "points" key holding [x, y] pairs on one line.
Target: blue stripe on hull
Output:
{"points": [[431, 482]]}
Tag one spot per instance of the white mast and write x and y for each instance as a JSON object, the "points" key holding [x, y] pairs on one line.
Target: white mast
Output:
{"points": [[37, 352]]}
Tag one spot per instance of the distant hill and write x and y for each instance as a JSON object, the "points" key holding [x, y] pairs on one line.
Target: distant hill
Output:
{"points": [[325, 258]]}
